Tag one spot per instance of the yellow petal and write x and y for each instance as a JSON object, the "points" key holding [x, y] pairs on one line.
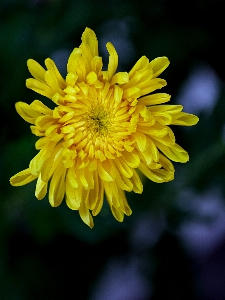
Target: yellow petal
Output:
{"points": [[39, 107], [69, 90], [38, 161], [137, 184], [117, 213], [141, 64], [173, 152], [71, 79], [184, 119], [92, 198], [150, 174], [123, 182], [22, 178], [144, 112], [124, 205], [93, 165], [112, 193], [158, 65], [97, 65], [52, 81], [165, 175], [36, 131], [51, 66], [171, 109], [89, 38], [51, 163], [42, 142], [72, 178], [164, 119], [133, 92], [99, 204], [158, 131], [96, 196], [83, 87], [154, 84], [123, 168], [85, 215], [26, 112], [140, 79], [36, 70], [104, 174], [118, 93], [166, 163], [73, 61], [113, 60], [91, 78], [41, 188], [140, 140], [131, 159], [39, 87], [86, 59], [43, 122], [146, 156], [73, 196], [153, 149], [154, 99], [86, 179], [83, 68], [120, 78], [57, 186]]}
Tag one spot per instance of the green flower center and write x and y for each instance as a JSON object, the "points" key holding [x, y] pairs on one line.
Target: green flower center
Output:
{"points": [[99, 120]]}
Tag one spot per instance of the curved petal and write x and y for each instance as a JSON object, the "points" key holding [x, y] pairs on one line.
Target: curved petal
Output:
{"points": [[72, 195], [51, 66], [173, 152], [113, 60], [73, 61], [27, 112], [22, 178], [39, 87], [154, 99], [158, 65], [36, 70], [96, 196], [41, 188], [89, 38], [57, 186], [184, 119], [85, 215]]}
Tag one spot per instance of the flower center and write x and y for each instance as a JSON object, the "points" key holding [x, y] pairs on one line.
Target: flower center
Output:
{"points": [[97, 125], [98, 120]]}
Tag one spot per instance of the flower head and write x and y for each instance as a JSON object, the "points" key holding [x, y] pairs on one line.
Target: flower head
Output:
{"points": [[105, 126]]}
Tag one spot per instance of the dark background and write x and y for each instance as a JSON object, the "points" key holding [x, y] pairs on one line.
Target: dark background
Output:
{"points": [[173, 245]]}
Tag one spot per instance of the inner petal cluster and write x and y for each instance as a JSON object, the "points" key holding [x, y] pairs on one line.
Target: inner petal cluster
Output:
{"points": [[98, 124]]}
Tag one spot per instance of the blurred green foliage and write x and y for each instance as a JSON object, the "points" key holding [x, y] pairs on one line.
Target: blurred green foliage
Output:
{"points": [[48, 253]]}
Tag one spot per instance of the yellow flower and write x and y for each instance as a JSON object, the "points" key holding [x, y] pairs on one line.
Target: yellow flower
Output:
{"points": [[104, 126]]}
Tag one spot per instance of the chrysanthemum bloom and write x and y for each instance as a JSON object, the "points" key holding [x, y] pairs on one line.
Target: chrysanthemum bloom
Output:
{"points": [[104, 126]]}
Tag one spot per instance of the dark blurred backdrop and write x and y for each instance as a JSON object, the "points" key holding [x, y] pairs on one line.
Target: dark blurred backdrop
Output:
{"points": [[173, 245]]}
